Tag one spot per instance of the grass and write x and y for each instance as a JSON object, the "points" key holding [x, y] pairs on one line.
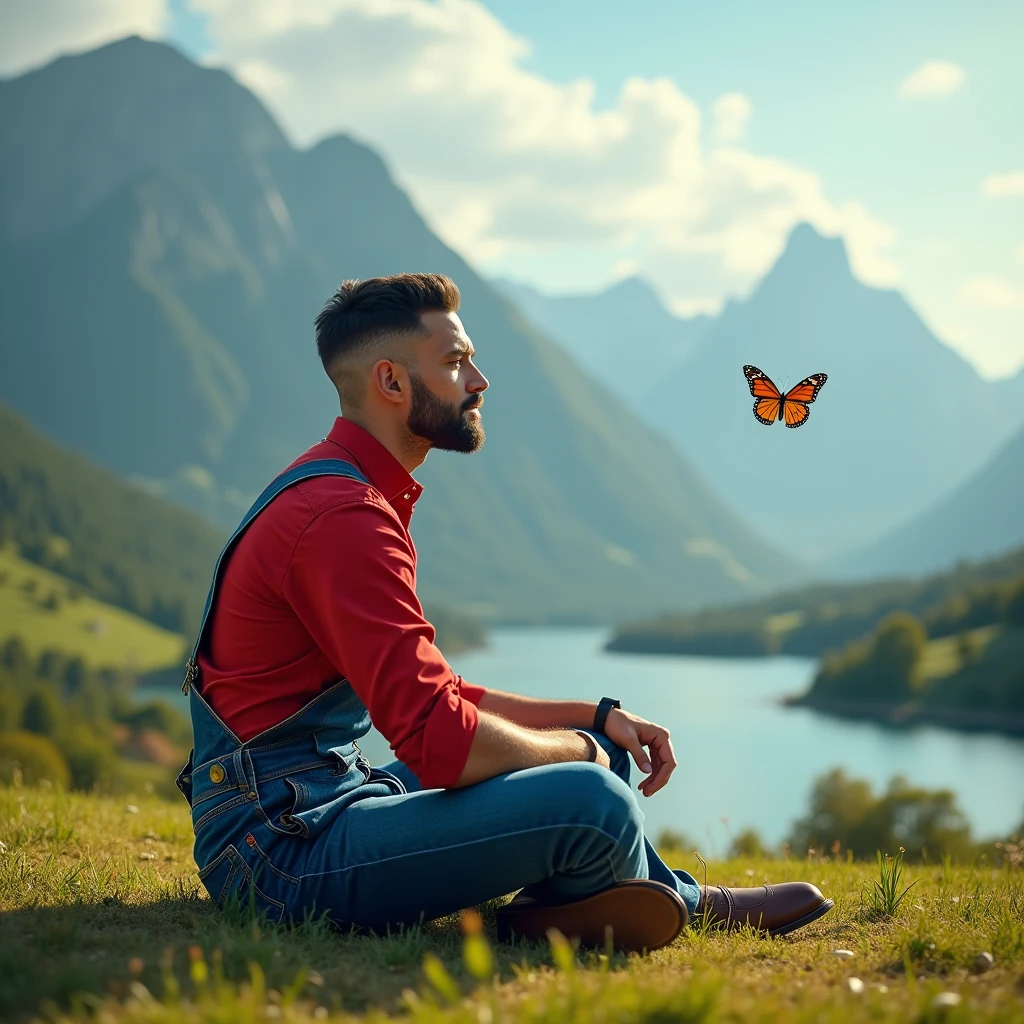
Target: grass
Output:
{"points": [[47, 611], [102, 918], [943, 655]]}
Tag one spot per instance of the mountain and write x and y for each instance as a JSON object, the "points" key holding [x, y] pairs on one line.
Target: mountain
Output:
{"points": [[901, 419], [163, 253], [116, 541], [623, 335], [979, 519]]}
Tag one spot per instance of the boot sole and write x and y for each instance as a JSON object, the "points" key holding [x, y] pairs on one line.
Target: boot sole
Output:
{"points": [[819, 911], [642, 915]]}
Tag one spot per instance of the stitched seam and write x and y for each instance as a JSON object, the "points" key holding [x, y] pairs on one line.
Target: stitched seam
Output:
{"points": [[454, 846], [237, 801], [291, 769], [270, 865]]}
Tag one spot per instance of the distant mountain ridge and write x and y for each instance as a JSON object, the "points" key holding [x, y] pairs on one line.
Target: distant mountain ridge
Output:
{"points": [[980, 519], [623, 335], [901, 420], [162, 254]]}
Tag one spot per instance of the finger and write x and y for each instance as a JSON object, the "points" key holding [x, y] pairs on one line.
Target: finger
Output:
{"points": [[639, 755], [665, 764], [656, 780]]}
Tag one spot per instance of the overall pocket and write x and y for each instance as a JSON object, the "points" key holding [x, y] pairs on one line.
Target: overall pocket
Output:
{"points": [[231, 884]]}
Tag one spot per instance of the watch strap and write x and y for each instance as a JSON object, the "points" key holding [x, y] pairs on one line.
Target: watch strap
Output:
{"points": [[601, 715]]}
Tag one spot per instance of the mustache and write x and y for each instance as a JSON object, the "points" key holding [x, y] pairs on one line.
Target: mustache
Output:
{"points": [[472, 403]]}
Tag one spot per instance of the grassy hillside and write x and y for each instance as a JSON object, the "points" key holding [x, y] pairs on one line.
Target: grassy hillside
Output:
{"points": [[102, 915], [813, 619], [46, 611], [117, 542]]}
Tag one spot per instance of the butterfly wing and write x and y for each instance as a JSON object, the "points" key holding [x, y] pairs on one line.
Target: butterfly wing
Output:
{"points": [[768, 398], [798, 398]]}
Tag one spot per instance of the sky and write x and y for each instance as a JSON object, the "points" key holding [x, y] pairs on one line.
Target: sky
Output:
{"points": [[568, 144]]}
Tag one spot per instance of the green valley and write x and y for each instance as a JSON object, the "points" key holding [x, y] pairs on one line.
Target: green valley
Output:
{"points": [[48, 612]]}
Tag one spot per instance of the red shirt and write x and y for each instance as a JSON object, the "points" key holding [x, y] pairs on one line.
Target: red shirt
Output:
{"points": [[322, 585]]}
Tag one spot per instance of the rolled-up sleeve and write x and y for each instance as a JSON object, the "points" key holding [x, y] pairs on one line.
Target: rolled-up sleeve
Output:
{"points": [[351, 581]]}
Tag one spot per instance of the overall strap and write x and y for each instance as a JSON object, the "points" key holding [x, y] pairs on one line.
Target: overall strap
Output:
{"points": [[304, 471]]}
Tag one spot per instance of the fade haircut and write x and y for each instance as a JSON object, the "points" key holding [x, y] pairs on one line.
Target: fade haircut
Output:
{"points": [[363, 315]]}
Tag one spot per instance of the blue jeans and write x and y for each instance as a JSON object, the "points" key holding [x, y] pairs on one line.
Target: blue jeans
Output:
{"points": [[294, 826]]}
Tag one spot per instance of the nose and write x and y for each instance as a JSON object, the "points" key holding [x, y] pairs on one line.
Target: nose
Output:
{"points": [[477, 383]]}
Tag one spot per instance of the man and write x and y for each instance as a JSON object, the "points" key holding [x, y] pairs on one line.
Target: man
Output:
{"points": [[313, 630]]}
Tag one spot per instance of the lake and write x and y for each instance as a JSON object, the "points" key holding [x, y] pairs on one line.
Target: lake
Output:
{"points": [[744, 760]]}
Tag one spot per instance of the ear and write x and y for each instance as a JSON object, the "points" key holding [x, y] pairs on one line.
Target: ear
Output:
{"points": [[390, 380]]}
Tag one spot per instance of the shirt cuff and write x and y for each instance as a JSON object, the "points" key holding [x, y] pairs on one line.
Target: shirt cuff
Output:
{"points": [[471, 692], [447, 737]]}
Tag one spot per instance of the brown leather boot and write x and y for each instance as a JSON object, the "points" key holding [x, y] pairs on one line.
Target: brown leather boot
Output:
{"points": [[641, 914], [773, 909]]}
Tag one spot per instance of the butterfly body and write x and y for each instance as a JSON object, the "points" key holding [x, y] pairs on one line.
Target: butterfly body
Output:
{"points": [[770, 404]]}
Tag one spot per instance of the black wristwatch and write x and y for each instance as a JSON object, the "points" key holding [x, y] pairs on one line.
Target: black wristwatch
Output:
{"points": [[601, 715]]}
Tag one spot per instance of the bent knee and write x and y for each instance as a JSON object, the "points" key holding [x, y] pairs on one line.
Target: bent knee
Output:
{"points": [[597, 795]]}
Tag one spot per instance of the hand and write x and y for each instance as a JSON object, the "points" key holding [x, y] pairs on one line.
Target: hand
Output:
{"points": [[633, 733]]}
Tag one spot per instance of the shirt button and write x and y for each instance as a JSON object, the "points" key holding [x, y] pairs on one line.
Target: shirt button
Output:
{"points": [[216, 774], [406, 496]]}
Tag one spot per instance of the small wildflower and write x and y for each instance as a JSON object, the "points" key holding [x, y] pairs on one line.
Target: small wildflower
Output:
{"points": [[855, 985], [132, 809], [471, 921], [843, 954]]}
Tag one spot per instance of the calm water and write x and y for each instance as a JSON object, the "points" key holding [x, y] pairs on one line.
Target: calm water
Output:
{"points": [[743, 757]]}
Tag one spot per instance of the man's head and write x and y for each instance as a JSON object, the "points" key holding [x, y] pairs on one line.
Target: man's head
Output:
{"points": [[402, 362]]}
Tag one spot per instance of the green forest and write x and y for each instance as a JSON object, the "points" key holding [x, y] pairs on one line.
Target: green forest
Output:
{"points": [[814, 619], [973, 676]]}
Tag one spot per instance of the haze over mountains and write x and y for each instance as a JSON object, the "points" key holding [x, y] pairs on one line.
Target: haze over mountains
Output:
{"points": [[163, 250], [902, 422], [620, 334], [982, 518]]}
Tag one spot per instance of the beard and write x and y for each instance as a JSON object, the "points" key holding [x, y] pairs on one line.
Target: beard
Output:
{"points": [[446, 426]]}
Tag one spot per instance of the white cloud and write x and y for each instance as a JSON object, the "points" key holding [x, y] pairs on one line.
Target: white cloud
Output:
{"points": [[510, 166], [36, 31], [990, 293], [933, 78], [999, 185], [732, 112]]}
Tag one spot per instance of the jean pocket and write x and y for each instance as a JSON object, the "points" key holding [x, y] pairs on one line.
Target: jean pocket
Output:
{"points": [[231, 884]]}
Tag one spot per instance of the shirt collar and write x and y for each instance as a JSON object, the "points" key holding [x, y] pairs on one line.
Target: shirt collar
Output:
{"points": [[386, 473]]}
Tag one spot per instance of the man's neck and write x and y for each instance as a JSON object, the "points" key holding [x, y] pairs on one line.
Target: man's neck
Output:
{"points": [[409, 450]]}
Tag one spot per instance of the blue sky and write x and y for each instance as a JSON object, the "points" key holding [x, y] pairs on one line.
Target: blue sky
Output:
{"points": [[567, 176]]}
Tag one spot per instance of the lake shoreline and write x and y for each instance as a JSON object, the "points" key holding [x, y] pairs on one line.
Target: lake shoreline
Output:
{"points": [[912, 714]]}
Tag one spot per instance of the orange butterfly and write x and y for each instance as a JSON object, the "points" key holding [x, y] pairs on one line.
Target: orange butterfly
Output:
{"points": [[771, 404]]}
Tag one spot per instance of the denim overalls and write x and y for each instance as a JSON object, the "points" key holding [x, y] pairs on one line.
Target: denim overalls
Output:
{"points": [[295, 823], [290, 780]]}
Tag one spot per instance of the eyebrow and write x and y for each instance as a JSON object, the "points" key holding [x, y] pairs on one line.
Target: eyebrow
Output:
{"points": [[460, 349]]}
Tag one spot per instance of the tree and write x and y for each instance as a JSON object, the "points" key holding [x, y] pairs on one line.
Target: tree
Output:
{"points": [[41, 713], [1014, 611], [899, 643], [920, 820], [32, 759]]}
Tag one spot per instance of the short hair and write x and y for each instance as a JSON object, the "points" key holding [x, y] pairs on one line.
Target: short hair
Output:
{"points": [[362, 314]]}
